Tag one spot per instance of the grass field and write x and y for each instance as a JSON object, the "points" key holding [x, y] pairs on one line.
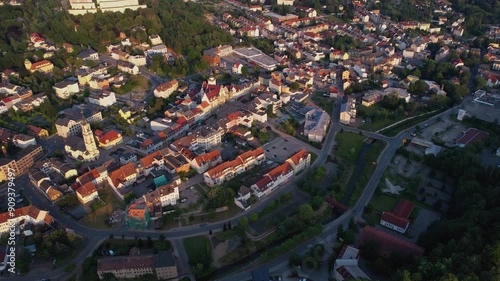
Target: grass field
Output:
{"points": [[371, 156], [198, 249], [326, 103], [383, 202], [393, 131], [98, 218], [348, 146]]}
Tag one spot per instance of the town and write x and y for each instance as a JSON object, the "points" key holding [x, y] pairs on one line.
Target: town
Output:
{"points": [[249, 140]]}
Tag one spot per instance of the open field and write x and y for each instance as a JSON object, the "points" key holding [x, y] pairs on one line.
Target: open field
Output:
{"points": [[198, 249], [99, 217]]}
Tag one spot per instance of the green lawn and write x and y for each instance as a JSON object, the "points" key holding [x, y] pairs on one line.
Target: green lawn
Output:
{"points": [[313, 157], [98, 218], [326, 103], [371, 156], [348, 146], [198, 249], [393, 131], [383, 202]]}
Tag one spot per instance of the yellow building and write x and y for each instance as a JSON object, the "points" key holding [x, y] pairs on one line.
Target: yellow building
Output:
{"points": [[345, 75], [43, 66]]}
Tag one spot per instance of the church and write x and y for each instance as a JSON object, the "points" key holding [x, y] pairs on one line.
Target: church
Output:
{"points": [[84, 150]]}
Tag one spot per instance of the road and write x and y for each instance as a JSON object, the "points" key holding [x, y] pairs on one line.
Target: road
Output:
{"points": [[94, 236]]}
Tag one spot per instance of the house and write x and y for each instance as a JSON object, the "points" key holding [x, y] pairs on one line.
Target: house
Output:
{"points": [[87, 193], [24, 216], [65, 89], [89, 54], [123, 177], [348, 112], [227, 170], [398, 219], [316, 124], [272, 180], [36, 131], [164, 90], [299, 161], [206, 161], [155, 39], [128, 67], [109, 139], [241, 198], [43, 66], [102, 98], [389, 245], [346, 265]]}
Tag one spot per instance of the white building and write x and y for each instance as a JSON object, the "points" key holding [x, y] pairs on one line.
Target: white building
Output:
{"points": [[346, 265], [66, 89], [105, 99], [316, 124]]}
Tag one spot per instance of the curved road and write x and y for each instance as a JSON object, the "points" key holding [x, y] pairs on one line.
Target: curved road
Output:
{"points": [[95, 236]]}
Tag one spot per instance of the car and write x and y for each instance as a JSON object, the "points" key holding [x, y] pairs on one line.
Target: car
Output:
{"points": [[284, 148], [183, 200], [285, 140], [275, 156]]}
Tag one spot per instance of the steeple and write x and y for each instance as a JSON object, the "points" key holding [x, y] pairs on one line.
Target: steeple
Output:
{"points": [[89, 140]]}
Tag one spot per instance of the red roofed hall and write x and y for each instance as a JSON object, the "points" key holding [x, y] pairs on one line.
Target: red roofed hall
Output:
{"points": [[472, 135], [398, 219], [389, 245]]}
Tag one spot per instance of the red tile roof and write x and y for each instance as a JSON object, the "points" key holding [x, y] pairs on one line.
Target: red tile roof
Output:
{"points": [[147, 161], [39, 64], [120, 175], [208, 157], [404, 208], [388, 244], [301, 155], [472, 135], [30, 210], [392, 218], [86, 189], [109, 136], [281, 170]]}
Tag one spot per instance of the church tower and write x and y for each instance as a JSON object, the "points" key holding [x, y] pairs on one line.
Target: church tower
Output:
{"points": [[89, 140]]}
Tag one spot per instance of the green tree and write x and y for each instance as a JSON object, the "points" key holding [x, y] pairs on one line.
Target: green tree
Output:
{"points": [[244, 221], [254, 217], [306, 212]]}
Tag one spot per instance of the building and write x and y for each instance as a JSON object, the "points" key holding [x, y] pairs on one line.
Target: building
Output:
{"points": [[398, 219], [89, 54], [65, 89], [37, 131], [104, 98], [155, 39], [299, 161], [272, 180], [128, 67], [164, 90], [21, 162], [43, 66], [316, 124], [85, 151], [70, 124], [346, 265], [80, 7], [206, 161], [389, 245], [472, 135], [109, 139], [135, 265], [87, 193], [138, 215], [348, 112], [22, 216], [229, 169]]}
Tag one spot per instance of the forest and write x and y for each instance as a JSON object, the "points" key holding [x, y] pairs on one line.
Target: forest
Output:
{"points": [[182, 26], [464, 245]]}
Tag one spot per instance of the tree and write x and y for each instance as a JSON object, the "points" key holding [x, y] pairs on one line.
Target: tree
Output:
{"points": [[340, 231], [229, 225], [210, 232], [244, 221], [244, 70], [254, 217], [149, 242], [480, 82], [161, 237], [294, 86], [224, 228], [306, 212]]}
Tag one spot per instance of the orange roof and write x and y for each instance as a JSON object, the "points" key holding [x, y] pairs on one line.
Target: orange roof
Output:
{"points": [[208, 157], [86, 189], [121, 174], [30, 210], [281, 170], [109, 137], [301, 155], [137, 210], [234, 115], [147, 161], [39, 64], [167, 85]]}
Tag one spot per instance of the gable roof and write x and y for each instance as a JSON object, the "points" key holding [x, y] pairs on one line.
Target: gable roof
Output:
{"points": [[207, 157], [86, 189], [389, 244]]}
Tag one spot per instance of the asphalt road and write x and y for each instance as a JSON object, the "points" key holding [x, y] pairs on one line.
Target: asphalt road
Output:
{"points": [[94, 236]]}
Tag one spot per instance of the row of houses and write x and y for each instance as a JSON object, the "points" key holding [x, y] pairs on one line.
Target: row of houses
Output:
{"points": [[281, 174]]}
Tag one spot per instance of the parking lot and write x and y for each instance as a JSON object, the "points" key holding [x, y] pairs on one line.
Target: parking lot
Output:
{"points": [[281, 149], [447, 130]]}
